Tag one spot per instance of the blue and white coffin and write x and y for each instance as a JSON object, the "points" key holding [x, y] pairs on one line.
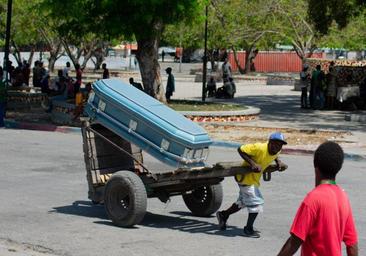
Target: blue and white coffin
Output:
{"points": [[148, 123]]}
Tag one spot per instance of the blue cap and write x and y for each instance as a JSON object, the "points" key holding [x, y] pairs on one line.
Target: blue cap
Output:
{"points": [[278, 136]]}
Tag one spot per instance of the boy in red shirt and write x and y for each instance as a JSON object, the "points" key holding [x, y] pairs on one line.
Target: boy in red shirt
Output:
{"points": [[324, 218]]}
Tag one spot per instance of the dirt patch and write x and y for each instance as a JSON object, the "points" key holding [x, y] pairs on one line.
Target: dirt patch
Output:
{"points": [[294, 137]]}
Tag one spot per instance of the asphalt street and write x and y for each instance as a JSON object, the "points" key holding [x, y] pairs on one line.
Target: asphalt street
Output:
{"points": [[45, 210]]}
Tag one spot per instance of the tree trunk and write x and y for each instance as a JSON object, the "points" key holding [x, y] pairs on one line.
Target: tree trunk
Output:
{"points": [[69, 53], [51, 63], [147, 56], [31, 55], [87, 57], [241, 70], [248, 53], [99, 58], [16, 53]]}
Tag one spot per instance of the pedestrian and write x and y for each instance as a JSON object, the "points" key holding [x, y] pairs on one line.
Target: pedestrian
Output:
{"points": [[170, 85], [304, 82], [324, 218], [36, 73], [258, 156], [137, 85], [2, 98], [162, 55], [211, 87], [105, 71], [331, 87], [65, 71], [26, 72], [79, 74], [226, 70], [317, 89]]}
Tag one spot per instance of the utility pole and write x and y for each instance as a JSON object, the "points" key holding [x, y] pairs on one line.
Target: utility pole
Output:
{"points": [[204, 71], [7, 42]]}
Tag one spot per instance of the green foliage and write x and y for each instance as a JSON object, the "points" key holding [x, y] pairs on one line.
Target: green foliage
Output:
{"points": [[25, 22], [324, 12], [352, 37]]}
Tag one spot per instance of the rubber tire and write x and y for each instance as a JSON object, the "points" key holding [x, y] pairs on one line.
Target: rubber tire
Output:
{"points": [[131, 209], [205, 200]]}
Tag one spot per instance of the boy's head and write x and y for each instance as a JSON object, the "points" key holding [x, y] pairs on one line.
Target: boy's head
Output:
{"points": [[328, 159], [168, 70], [276, 141]]}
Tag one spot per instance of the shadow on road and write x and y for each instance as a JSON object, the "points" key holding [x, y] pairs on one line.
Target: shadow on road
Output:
{"points": [[82, 208], [183, 221]]}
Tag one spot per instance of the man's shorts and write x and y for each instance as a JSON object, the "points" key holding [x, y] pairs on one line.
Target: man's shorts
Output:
{"points": [[250, 197]]}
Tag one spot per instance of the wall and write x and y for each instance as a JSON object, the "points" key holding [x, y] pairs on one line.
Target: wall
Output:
{"points": [[273, 61]]}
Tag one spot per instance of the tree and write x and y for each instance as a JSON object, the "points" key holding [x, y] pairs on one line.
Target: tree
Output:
{"points": [[352, 37], [324, 12], [243, 24], [142, 19], [23, 32], [295, 27]]}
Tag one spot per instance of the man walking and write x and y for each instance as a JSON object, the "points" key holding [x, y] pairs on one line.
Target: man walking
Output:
{"points": [[258, 156], [324, 218]]}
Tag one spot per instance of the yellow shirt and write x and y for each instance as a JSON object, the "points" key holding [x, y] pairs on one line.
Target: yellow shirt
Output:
{"points": [[260, 155]]}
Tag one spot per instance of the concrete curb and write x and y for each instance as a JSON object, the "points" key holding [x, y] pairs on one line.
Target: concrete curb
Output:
{"points": [[249, 111], [40, 127]]}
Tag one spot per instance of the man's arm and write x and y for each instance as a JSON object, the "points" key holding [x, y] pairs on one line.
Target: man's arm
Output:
{"points": [[291, 246], [255, 167], [352, 250], [280, 166]]}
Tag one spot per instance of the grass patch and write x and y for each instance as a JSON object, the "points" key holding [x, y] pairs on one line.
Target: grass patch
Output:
{"points": [[190, 105]]}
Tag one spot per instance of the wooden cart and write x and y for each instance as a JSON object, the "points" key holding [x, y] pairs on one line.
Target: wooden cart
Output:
{"points": [[118, 178]]}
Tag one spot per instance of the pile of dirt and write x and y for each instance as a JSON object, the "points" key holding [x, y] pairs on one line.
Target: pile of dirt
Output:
{"points": [[249, 134]]}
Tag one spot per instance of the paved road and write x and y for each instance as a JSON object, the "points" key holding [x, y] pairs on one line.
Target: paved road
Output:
{"points": [[45, 210]]}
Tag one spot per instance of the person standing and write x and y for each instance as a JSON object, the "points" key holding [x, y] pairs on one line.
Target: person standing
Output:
{"points": [[170, 85], [258, 156], [304, 82], [105, 71], [331, 88], [2, 98], [79, 75], [36, 74], [226, 71], [324, 218], [316, 88], [162, 55], [65, 71]]}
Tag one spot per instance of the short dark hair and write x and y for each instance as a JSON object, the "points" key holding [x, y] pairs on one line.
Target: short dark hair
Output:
{"points": [[328, 158]]}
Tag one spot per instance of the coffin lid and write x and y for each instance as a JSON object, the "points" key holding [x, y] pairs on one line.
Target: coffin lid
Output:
{"points": [[135, 100]]}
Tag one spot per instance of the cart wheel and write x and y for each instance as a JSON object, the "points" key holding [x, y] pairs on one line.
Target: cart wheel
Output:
{"points": [[125, 199], [205, 200]]}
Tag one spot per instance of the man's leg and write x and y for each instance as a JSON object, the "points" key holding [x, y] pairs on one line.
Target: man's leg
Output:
{"points": [[254, 202], [222, 216]]}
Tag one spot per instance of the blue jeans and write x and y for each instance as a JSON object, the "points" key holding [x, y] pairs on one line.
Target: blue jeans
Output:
{"points": [[2, 114]]}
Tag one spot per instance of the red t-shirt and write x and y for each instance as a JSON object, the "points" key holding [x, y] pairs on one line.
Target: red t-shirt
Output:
{"points": [[323, 221]]}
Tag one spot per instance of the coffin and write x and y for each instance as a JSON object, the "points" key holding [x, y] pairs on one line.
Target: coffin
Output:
{"points": [[149, 124]]}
